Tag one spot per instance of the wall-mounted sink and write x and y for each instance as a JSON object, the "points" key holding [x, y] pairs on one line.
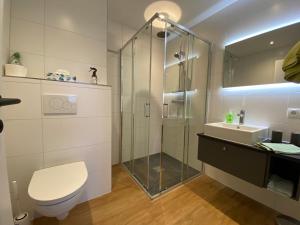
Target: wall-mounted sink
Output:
{"points": [[244, 134]]}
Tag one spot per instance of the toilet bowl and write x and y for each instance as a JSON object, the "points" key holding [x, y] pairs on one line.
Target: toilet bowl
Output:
{"points": [[56, 190]]}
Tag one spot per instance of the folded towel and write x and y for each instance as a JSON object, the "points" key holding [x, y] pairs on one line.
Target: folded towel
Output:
{"points": [[293, 74], [295, 78], [293, 70], [281, 186], [292, 58], [280, 148]]}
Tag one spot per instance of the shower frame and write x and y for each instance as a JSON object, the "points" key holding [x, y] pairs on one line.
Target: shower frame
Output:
{"points": [[208, 80]]}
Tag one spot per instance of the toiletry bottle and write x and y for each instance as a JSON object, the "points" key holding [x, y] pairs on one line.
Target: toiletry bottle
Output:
{"points": [[94, 78], [229, 117]]}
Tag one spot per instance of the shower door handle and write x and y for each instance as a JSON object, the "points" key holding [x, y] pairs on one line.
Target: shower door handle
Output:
{"points": [[165, 110], [147, 109]]}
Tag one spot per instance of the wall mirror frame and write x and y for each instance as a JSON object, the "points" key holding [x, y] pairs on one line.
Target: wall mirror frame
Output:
{"points": [[258, 60]]}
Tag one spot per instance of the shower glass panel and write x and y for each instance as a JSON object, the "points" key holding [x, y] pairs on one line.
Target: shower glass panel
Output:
{"points": [[127, 110], [195, 102], [164, 80], [141, 104], [175, 72]]}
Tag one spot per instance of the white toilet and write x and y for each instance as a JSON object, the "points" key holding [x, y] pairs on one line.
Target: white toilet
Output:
{"points": [[56, 190]]}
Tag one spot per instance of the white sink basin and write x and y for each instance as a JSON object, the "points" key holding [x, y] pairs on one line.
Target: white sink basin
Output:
{"points": [[244, 134]]}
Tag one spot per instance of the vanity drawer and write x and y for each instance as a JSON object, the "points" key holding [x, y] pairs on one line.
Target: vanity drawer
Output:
{"points": [[239, 160]]}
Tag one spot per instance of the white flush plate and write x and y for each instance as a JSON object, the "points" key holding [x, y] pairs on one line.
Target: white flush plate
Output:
{"points": [[59, 104], [293, 113]]}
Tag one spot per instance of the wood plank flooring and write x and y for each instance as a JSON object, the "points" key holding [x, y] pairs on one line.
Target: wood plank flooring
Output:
{"points": [[202, 201]]}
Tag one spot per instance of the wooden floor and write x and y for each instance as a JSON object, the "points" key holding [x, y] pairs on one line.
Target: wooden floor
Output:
{"points": [[201, 201]]}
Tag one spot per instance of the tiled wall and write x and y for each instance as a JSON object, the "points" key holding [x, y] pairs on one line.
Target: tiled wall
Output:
{"points": [[34, 140], [54, 34]]}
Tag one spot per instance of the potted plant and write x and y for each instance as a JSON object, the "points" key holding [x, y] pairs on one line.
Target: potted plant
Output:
{"points": [[15, 67]]}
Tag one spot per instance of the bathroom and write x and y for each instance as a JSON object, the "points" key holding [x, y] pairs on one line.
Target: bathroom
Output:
{"points": [[113, 112]]}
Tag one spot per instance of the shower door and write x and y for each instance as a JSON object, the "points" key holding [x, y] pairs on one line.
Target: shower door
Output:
{"points": [[141, 105], [174, 107], [160, 148]]}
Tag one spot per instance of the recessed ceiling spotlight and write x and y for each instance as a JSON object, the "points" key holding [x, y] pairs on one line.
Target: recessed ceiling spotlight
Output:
{"points": [[166, 9], [272, 42]]}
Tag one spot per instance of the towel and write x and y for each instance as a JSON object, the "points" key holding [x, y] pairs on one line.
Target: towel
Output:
{"points": [[291, 64], [280, 148], [293, 74], [281, 186], [292, 58]]}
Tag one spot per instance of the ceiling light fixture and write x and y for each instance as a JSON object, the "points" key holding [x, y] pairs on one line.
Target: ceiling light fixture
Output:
{"points": [[271, 42], [166, 9]]}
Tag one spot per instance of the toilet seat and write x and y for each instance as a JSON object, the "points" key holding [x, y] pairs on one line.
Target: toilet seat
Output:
{"points": [[57, 184]]}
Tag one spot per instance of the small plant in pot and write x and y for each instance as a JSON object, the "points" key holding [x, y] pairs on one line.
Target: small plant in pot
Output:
{"points": [[15, 67]]}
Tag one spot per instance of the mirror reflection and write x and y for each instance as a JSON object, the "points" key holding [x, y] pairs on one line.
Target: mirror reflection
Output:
{"points": [[258, 60]]}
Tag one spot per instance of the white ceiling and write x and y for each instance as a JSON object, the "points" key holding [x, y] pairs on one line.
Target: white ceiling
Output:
{"points": [[223, 21], [131, 12]]}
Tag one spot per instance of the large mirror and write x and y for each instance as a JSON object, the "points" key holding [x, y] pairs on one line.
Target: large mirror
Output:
{"points": [[258, 60]]}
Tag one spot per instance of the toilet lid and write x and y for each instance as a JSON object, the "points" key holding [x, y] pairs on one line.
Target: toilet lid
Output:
{"points": [[57, 183]]}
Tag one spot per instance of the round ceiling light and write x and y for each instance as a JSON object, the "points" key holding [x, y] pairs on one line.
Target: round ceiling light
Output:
{"points": [[167, 9]]}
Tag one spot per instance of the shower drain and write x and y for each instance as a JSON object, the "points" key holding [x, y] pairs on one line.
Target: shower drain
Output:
{"points": [[157, 169]]}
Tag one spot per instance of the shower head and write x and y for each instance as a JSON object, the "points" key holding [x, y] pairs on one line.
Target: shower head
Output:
{"points": [[162, 34]]}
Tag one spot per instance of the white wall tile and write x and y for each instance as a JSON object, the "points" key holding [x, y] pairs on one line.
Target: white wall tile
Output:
{"points": [[71, 46], [91, 155], [262, 110], [34, 64], [127, 34], [294, 100], [86, 18], [26, 37], [114, 36], [29, 93], [23, 137], [97, 186], [31, 10], [99, 181], [60, 134], [75, 36], [113, 64]]}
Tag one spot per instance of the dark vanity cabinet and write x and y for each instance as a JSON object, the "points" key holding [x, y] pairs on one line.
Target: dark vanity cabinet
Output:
{"points": [[249, 163], [239, 160]]}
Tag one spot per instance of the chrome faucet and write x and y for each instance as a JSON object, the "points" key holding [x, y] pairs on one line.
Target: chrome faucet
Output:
{"points": [[241, 116]]}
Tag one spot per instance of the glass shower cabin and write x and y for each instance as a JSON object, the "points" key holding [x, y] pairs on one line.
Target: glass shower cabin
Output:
{"points": [[164, 76]]}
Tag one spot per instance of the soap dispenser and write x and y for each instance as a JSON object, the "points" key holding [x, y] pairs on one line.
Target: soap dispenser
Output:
{"points": [[229, 117], [94, 78]]}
